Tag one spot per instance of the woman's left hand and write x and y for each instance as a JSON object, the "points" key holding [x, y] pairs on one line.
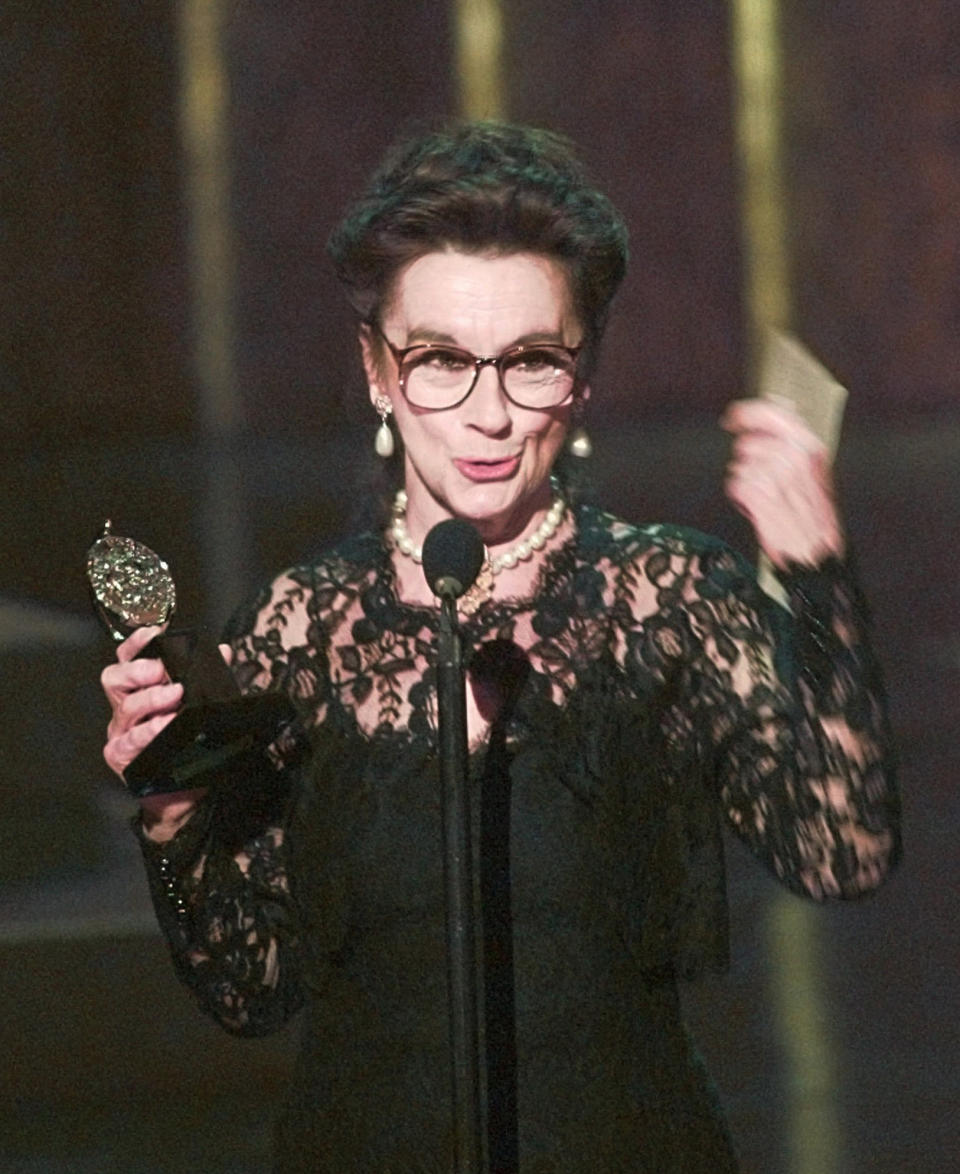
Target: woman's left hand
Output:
{"points": [[779, 477]]}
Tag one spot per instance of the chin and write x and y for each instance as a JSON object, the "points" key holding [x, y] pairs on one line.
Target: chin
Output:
{"points": [[489, 500], [494, 513]]}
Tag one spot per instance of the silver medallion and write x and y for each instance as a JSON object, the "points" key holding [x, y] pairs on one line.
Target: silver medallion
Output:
{"points": [[132, 586]]}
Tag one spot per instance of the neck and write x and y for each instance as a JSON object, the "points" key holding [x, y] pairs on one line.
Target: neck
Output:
{"points": [[499, 534], [517, 559]]}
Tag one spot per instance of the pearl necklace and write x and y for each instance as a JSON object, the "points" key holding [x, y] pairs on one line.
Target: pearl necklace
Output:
{"points": [[482, 588]]}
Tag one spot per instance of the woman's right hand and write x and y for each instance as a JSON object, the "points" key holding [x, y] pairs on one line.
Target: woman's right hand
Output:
{"points": [[142, 698], [143, 701]]}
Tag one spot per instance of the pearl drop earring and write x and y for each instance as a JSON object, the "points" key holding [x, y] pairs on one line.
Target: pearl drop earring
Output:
{"points": [[580, 444], [383, 442]]}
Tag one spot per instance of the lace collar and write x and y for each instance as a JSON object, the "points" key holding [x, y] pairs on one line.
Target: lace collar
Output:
{"points": [[554, 565]]}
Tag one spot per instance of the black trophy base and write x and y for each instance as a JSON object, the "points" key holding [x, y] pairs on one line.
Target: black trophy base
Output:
{"points": [[199, 746]]}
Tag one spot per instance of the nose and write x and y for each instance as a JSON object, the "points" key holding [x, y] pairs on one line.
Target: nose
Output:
{"points": [[487, 408]]}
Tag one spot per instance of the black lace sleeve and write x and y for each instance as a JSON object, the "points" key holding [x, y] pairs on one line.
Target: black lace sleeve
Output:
{"points": [[224, 908], [220, 886], [793, 704]]}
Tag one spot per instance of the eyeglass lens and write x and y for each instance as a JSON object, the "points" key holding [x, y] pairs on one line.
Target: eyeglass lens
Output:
{"points": [[534, 377]]}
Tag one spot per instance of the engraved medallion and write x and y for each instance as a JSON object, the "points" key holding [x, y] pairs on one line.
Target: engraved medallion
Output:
{"points": [[132, 586]]}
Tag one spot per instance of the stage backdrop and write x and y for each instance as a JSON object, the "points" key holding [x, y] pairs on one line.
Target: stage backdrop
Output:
{"points": [[104, 413]]}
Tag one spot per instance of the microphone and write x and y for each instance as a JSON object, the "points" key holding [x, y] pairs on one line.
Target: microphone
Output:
{"points": [[453, 553]]}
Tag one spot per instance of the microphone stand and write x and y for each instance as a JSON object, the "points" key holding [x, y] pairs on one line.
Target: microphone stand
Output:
{"points": [[458, 883]]}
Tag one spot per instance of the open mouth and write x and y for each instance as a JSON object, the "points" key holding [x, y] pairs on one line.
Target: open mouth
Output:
{"points": [[495, 470]]}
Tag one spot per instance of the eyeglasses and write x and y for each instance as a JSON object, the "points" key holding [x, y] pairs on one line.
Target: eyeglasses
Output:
{"points": [[437, 377]]}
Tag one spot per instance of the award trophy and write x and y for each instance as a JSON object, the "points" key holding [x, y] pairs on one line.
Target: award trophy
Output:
{"points": [[132, 588]]}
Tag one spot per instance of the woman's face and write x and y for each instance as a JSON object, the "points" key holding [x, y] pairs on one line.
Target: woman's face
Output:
{"points": [[487, 460]]}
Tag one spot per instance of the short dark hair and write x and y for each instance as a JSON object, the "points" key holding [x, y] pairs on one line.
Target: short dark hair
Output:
{"points": [[483, 187]]}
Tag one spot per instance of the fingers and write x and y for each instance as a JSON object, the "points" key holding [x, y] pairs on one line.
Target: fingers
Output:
{"points": [[137, 641], [137, 690], [121, 749], [779, 477], [771, 443], [121, 678], [774, 419], [760, 448], [137, 718], [142, 700], [775, 489], [140, 705]]}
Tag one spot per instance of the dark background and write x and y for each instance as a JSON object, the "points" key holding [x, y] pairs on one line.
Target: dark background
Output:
{"points": [[107, 1065]]}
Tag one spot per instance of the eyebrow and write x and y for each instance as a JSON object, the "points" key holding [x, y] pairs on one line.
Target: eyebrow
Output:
{"points": [[428, 335]]}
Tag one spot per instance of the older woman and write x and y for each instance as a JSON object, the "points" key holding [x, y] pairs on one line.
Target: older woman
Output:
{"points": [[630, 691]]}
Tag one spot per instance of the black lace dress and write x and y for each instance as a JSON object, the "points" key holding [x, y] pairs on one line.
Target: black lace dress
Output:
{"points": [[647, 695]]}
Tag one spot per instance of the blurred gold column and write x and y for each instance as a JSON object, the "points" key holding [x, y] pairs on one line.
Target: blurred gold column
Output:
{"points": [[794, 944], [755, 36], [478, 36], [205, 130]]}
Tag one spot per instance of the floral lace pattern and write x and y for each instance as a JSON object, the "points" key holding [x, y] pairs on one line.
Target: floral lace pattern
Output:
{"points": [[644, 696]]}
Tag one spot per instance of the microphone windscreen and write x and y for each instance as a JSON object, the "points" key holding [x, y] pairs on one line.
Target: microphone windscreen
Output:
{"points": [[453, 554]]}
